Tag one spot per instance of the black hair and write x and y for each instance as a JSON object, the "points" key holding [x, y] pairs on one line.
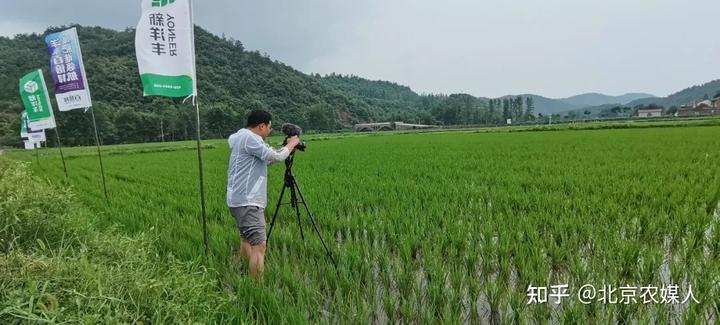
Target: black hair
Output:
{"points": [[258, 117]]}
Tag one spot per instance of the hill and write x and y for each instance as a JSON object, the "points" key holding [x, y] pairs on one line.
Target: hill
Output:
{"points": [[231, 82], [683, 97], [396, 102], [596, 99]]}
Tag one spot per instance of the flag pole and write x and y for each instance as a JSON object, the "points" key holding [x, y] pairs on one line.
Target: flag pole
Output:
{"points": [[37, 153], [97, 143], [199, 146], [57, 136], [202, 177]]}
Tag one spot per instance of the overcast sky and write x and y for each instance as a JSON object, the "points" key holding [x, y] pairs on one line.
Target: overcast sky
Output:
{"points": [[555, 48]]}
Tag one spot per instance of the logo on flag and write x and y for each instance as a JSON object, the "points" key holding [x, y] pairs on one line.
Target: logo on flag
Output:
{"points": [[161, 3], [31, 86]]}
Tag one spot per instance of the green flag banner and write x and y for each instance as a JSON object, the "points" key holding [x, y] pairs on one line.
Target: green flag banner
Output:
{"points": [[36, 100], [23, 126], [165, 48]]}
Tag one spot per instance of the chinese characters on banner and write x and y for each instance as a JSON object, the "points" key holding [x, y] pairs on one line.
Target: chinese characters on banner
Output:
{"points": [[67, 70], [165, 48], [36, 101]]}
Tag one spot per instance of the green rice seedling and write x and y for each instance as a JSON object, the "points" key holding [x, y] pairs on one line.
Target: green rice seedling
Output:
{"points": [[582, 206]]}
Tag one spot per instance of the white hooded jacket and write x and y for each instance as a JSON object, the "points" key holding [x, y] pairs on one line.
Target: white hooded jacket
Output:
{"points": [[247, 169]]}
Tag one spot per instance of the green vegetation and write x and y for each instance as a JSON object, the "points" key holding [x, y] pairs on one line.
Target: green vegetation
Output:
{"points": [[683, 97], [231, 82], [57, 267], [449, 226]]}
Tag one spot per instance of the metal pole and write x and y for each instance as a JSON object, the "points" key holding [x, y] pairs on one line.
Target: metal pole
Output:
{"points": [[57, 136], [199, 146], [202, 178], [314, 223], [294, 203], [37, 152], [97, 143], [162, 131]]}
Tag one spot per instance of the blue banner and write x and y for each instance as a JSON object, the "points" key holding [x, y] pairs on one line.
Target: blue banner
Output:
{"points": [[67, 70]]}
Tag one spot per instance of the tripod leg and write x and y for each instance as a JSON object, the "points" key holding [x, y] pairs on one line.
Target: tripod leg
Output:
{"points": [[293, 199], [312, 218], [277, 208]]}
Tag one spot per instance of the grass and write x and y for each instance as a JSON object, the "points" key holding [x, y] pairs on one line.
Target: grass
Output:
{"points": [[428, 227], [57, 267]]}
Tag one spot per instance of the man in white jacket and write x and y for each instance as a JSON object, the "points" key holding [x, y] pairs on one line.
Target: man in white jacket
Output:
{"points": [[247, 184]]}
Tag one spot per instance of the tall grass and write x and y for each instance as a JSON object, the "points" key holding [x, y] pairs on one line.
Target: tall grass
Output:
{"points": [[57, 267]]}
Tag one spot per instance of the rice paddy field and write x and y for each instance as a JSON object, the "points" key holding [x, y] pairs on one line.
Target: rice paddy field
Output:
{"points": [[442, 227]]}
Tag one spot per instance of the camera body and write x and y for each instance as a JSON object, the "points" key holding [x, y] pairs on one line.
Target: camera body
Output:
{"points": [[291, 130]]}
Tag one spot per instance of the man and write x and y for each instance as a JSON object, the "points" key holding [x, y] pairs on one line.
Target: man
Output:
{"points": [[247, 184]]}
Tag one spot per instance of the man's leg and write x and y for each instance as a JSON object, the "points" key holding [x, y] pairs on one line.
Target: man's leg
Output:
{"points": [[245, 248], [239, 214], [257, 260]]}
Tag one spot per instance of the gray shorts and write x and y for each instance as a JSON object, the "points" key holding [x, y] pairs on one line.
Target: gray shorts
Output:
{"points": [[250, 220]]}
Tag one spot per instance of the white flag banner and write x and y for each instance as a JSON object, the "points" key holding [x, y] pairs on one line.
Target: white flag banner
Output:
{"points": [[165, 48], [27, 134], [37, 137]]}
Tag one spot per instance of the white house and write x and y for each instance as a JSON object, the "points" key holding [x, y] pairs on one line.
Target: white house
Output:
{"points": [[653, 112]]}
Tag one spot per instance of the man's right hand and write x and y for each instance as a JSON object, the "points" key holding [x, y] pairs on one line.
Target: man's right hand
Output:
{"points": [[292, 142]]}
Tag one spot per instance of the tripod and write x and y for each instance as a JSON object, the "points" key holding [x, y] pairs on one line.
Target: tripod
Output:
{"points": [[294, 192]]}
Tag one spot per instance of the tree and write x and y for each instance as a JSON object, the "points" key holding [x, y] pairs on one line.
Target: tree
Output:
{"points": [[490, 112], [321, 117], [529, 108], [517, 108], [626, 109], [506, 109]]}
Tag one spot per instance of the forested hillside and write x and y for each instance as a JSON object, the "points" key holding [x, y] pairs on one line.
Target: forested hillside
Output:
{"points": [[233, 81]]}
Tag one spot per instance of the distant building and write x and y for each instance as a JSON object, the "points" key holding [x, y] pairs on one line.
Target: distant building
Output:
{"points": [[650, 112], [716, 102], [388, 126], [704, 104], [702, 108]]}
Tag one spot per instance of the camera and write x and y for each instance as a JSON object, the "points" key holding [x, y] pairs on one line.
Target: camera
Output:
{"points": [[291, 130]]}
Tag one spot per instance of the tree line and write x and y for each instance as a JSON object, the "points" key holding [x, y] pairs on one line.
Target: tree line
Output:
{"points": [[231, 82]]}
